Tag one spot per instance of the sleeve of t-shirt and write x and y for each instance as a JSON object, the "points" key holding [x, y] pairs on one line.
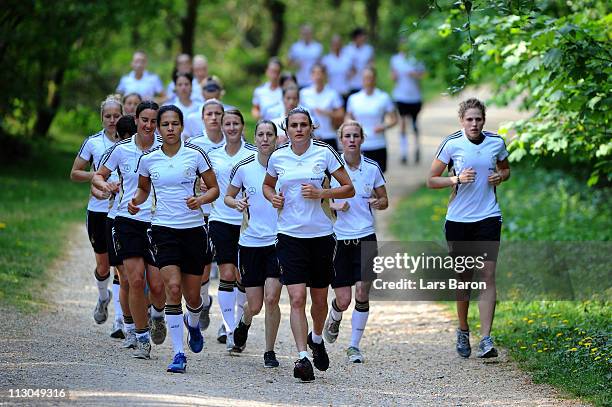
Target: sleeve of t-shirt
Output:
{"points": [[292, 52], [85, 151], [256, 97], [271, 169], [121, 87], [503, 152], [336, 101], [111, 160], [349, 105], [444, 153], [143, 167], [203, 163], [379, 178], [333, 161], [236, 177], [158, 86], [389, 106], [103, 157]]}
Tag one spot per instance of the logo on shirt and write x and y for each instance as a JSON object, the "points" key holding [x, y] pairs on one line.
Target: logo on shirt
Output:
{"points": [[317, 169], [155, 176], [251, 191], [126, 168], [188, 172], [280, 172], [367, 189]]}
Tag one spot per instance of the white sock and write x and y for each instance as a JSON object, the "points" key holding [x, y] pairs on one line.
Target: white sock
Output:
{"points": [[316, 338], [358, 322], [141, 335], [303, 354], [403, 145], [155, 313], [334, 312], [102, 286], [130, 327], [193, 315], [241, 299], [174, 321], [116, 302], [227, 301], [204, 293]]}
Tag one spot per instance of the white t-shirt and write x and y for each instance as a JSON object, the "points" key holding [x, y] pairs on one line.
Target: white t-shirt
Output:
{"points": [[223, 164], [327, 99], [301, 217], [264, 96], [273, 111], [124, 157], [206, 144], [194, 124], [194, 107], [173, 181], [407, 89], [147, 86], [360, 58], [338, 71], [92, 150], [474, 201], [113, 201], [305, 56], [370, 110], [358, 220], [196, 91], [248, 175]]}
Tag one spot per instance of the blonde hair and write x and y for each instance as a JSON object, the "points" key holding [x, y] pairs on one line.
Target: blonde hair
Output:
{"points": [[110, 99], [350, 123]]}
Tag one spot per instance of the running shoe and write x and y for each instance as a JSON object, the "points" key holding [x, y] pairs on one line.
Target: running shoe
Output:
{"points": [[101, 312], [303, 370], [230, 345], [486, 349], [404, 160], [205, 315], [143, 349], [221, 334], [354, 355], [463, 343], [158, 330], [117, 330], [331, 329], [241, 334], [319, 354], [195, 340], [130, 340], [270, 359], [179, 364], [417, 155]]}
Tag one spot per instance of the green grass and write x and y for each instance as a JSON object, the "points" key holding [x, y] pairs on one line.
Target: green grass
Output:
{"points": [[564, 343], [38, 206]]}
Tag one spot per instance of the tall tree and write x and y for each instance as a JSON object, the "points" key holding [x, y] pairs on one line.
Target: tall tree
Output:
{"points": [[372, 15], [188, 23], [276, 8]]}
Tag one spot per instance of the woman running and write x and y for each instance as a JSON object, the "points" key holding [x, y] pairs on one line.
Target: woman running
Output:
{"points": [[270, 93], [354, 225], [259, 269], [182, 100], [130, 103], [224, 222], [178, 237], [338, 65], [370, 107], [131, 233], [325, 104], [406, 72], [478, 162], [291, 100], [305, 240], [92, 150]]}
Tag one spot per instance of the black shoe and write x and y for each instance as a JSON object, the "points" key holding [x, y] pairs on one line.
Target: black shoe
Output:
{"points": [[241, 333], [404, 160], [319, 354], [271, 361], [221, 334], [417, 156], [303, 370]]}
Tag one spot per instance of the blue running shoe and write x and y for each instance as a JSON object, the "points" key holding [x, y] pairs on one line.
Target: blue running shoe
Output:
{"points": [[179, 364], [194, 336]]}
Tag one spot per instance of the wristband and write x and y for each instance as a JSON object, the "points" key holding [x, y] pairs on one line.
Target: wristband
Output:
{"points": [[458, 180]]}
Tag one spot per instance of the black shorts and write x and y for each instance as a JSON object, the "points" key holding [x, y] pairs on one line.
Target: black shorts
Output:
{"points": [[479, 238], [132, 239], [380, 156], [225, 240], [306, 260], [185, 248], [409, 109], [256, 264], [113, 259], [96, 229], [348, 261]]}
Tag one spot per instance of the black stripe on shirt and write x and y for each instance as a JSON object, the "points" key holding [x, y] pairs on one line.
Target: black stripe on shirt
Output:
{"points": [[453, 136], [324, 144], [201, 151], [247, 160], [370, 161]]}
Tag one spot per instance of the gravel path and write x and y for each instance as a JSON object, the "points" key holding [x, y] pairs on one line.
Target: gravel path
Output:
{"points": [[409, 347]]}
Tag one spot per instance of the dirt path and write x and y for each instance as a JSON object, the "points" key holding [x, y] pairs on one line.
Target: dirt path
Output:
{"points": [[409, 347]]}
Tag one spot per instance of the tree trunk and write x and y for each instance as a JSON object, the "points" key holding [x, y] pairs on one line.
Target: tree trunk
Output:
{"points": [[188, 23], [372, 15], [276, 8], [46, 113]]}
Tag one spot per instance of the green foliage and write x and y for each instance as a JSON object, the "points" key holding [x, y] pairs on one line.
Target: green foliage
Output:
{"points": [[564, 343], [554, 58]]}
